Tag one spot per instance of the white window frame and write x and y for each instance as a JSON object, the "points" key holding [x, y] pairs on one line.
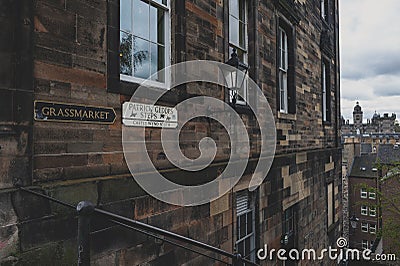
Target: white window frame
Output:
{"points": [[364, 227], [363, 193], [372, 211], [364, 210], [364, 244], [372, 228], [372, 195], [323, 11], [249, 209], [324, 96], [245, 55], [167, 59], [283, 69], [331, 207]]}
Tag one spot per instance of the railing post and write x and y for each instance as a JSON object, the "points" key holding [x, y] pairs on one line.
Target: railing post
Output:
{"points": [[237, 261], [85, 210]]}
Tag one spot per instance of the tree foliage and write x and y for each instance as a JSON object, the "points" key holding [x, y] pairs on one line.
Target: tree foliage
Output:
{"points": [[130, 57]]}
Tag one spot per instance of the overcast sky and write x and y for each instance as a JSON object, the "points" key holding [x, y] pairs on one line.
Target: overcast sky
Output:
{"points": [[370, 56]]}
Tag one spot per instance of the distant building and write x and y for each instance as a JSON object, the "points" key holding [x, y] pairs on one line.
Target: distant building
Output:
{"points": [[363, 184], [369, 169], [377, 124]]}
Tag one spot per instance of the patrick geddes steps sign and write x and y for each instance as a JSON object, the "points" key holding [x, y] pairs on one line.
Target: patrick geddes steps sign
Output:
{"points": [[147, 115]]}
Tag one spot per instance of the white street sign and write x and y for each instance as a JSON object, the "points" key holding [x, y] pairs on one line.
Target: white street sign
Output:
{"points": [[147, 115]]}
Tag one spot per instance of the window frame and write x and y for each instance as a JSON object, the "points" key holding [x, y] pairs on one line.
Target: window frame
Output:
{"points": [[363, 191], [289, 27], [326, 91], [364, 210], [331, 203], [364, 244], [364, 227], [372, 210], [283, 55], [288, 220], [372, 229], [252, 236], [244, 50], [168, 43], [372, 197]]}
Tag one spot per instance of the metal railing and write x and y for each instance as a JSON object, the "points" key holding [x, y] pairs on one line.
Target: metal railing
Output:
{"points": [[86, 210]]}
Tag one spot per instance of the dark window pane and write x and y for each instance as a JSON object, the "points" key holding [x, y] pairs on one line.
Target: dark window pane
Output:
{"points": [[126, 15], [157, 61], [160, 27], [242, 226], [249, 222], [141, 58], [242, 10], [247, 248], [242, 35], [161, 62], [156, 25], [240, 247], [141, 19], [125, 53], [238, 227]]}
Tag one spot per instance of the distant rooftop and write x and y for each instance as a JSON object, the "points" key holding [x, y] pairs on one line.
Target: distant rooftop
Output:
{"points": [[388, 153], [364, 166], [366, 148]]}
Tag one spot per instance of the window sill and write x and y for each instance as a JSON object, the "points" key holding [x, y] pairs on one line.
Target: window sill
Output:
{"points": [[287, 116], [145, 82]]}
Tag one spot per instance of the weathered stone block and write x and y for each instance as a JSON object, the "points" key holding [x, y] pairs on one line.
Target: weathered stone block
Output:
{"points": [[53, 161], [84, 147], [41, 231], [72, 194], [119, 189]]}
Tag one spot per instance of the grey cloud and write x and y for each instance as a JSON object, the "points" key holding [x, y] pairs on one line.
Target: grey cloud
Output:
{"points": [[387, 90], [371, 64], [388, 65]]}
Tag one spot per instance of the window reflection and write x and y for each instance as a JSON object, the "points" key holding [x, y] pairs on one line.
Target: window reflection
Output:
{"points": [[233, 31], [141, 58], [143, 38], [125, 53], [126, 15], [141, 25]]}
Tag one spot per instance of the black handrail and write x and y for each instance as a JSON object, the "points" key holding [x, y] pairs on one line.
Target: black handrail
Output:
{"points": [[142, 228]]}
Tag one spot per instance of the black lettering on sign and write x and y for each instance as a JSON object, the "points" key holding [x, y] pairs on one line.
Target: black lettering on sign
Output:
{"points": [[64, 112]]}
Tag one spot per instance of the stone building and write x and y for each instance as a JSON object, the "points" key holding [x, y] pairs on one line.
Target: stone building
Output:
{"points": [[92, 54], [363, 201], [377, 124], [372, 177]]}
